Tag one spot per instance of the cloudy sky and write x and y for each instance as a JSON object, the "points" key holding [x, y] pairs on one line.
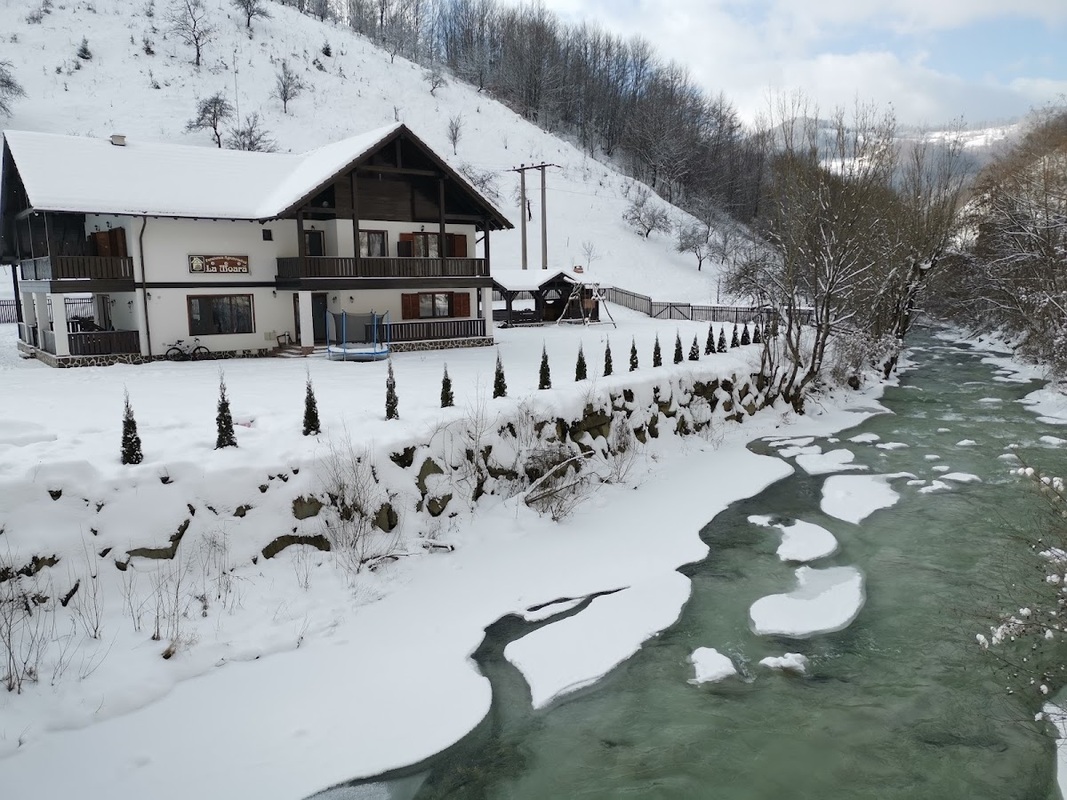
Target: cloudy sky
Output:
{"points": [[934, 60]]}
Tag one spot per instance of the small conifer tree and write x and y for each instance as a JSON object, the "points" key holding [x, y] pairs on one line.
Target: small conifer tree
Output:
{"points": [[311, 411], [744, 335], [757, 338], [734, 341], [545, 377], [392, 402], [694, 351], [84, 53], [579, 366], [709, 345], [722, 340], [607, 359], [131, 442], [633, 355], [500, 386], [447, 398], [657, 354], [224, 419], [678, 348]]}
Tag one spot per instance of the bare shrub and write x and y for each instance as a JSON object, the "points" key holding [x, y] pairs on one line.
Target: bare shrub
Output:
{"points": [[562, 482], [25, 627]]}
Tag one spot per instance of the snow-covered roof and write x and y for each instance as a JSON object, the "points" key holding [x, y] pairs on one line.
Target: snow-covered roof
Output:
{"points": [[527, 280], [91, 175]]}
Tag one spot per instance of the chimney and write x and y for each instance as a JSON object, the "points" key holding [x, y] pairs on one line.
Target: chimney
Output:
{"points": [[118, 140]]}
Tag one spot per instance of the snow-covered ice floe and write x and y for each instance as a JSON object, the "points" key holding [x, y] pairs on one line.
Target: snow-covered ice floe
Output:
{"points": [[961, 477], [801, 541], [790, 662], [577, 651], [710, 665], [1049, 404], [966, 443], [853, 498], [1053, 441], [832, 461], [892, 445], [824, 600], [935, 486], [866, 438]]}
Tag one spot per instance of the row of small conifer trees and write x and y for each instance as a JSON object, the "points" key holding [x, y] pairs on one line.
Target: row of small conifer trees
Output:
{"points": [[225, 436], [131, 441]]}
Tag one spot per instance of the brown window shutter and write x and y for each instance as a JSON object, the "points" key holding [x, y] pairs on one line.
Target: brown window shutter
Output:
{"points": [[409, 306], [457, 245], [117, 240], [461, 304], [101, 243], [405, 246]]}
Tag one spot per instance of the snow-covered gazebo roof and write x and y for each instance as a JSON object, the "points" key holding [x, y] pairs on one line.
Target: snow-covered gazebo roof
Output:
{"points": [[528, 280]]}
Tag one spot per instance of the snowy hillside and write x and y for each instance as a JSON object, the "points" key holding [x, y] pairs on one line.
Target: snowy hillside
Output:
{"points": [[123, 89]]}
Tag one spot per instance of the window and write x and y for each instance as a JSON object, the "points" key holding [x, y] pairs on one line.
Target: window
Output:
{"points": [[268, 235], [426, 245], [220, 313], [373, 244], [427, 305]]}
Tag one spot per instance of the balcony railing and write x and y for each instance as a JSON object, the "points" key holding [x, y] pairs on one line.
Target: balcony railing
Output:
{"points": [[434, 329], [77, 268], [102, 343], [28, 334], [339, 267]]}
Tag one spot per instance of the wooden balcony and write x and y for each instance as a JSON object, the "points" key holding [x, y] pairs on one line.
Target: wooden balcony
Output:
{"points": [[77, 268], [340, 267], [429, 329]]}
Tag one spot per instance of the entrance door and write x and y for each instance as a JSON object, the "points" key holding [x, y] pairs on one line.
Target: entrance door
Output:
{"points": [[314, 243], [318, 314]]}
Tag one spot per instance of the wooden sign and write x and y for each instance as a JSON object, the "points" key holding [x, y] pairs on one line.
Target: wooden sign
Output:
{"points": [[219, 264]]}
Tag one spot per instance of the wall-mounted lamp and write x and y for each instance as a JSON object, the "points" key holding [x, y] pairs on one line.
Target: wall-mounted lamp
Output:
{"points": [[422, 227], [351, 299], [274, 292], [148, 295], [129, 303]]}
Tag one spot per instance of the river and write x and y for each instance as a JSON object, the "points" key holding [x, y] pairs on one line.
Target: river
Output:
{"points": [[901, 703]]}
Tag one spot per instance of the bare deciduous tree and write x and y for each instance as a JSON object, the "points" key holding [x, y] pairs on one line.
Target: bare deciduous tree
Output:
{"points": [[9, 88], [250, 136], [455, 131], [211, 114], [252, 9], [189, 21], [287, 85], [695, 239], [646, 215]]}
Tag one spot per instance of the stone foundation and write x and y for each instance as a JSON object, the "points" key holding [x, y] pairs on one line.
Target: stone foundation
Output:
{"points": [[120, 358], [441, 344]]}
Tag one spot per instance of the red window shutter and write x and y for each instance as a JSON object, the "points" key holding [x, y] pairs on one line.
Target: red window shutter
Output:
{"points": [[461, 304], [409, 306]]}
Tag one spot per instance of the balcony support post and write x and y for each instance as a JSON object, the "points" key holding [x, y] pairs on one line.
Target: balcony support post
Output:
{"points": [[60, 328]]}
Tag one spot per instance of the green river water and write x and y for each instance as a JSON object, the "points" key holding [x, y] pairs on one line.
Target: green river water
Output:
{"points": [[900, 704]]}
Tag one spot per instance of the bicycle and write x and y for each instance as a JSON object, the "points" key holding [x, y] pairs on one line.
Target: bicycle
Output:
{"points": [[183, 351]]}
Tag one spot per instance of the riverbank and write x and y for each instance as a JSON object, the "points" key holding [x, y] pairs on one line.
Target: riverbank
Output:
{"points": [[365, 676]]}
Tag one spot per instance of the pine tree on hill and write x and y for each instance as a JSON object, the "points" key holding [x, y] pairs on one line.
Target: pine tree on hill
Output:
{"points": [[500, 386], [633, 354], [744, 335], [734, 341], [447, 398], [607, 358], [657, 354], [545, 377], [311, 411], [678, 348], [709, 345], [580, 371], [224, 419], [392, 402], [722, 339], [131, 442], [694, 351]]}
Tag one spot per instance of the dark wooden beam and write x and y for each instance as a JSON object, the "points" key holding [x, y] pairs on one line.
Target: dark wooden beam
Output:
{"points": [[441, 237], [399, 171], [355, 218]]}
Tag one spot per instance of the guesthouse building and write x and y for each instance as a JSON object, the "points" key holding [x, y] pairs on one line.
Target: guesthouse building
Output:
{"points": [[245, 251]]}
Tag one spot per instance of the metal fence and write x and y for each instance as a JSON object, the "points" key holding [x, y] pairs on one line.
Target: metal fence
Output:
{"points": [[631, 300], [76, 307]]}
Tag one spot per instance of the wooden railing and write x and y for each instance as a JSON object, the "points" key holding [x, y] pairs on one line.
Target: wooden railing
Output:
{"points": [[434, 329], [102, 343], [340, 267], [77, 268]]}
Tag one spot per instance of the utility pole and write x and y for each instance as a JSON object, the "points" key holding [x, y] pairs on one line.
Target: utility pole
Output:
{"points": [[521, 169]]}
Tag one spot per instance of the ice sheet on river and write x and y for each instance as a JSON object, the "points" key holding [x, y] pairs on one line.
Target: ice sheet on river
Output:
{"points": [[710, 665], [832, 461], [853, 498], [824, 600], [801, 541], [579, 650]]}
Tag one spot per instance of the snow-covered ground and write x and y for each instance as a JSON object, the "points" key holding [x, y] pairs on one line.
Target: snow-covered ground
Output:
{"points": [[295, 674]]}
